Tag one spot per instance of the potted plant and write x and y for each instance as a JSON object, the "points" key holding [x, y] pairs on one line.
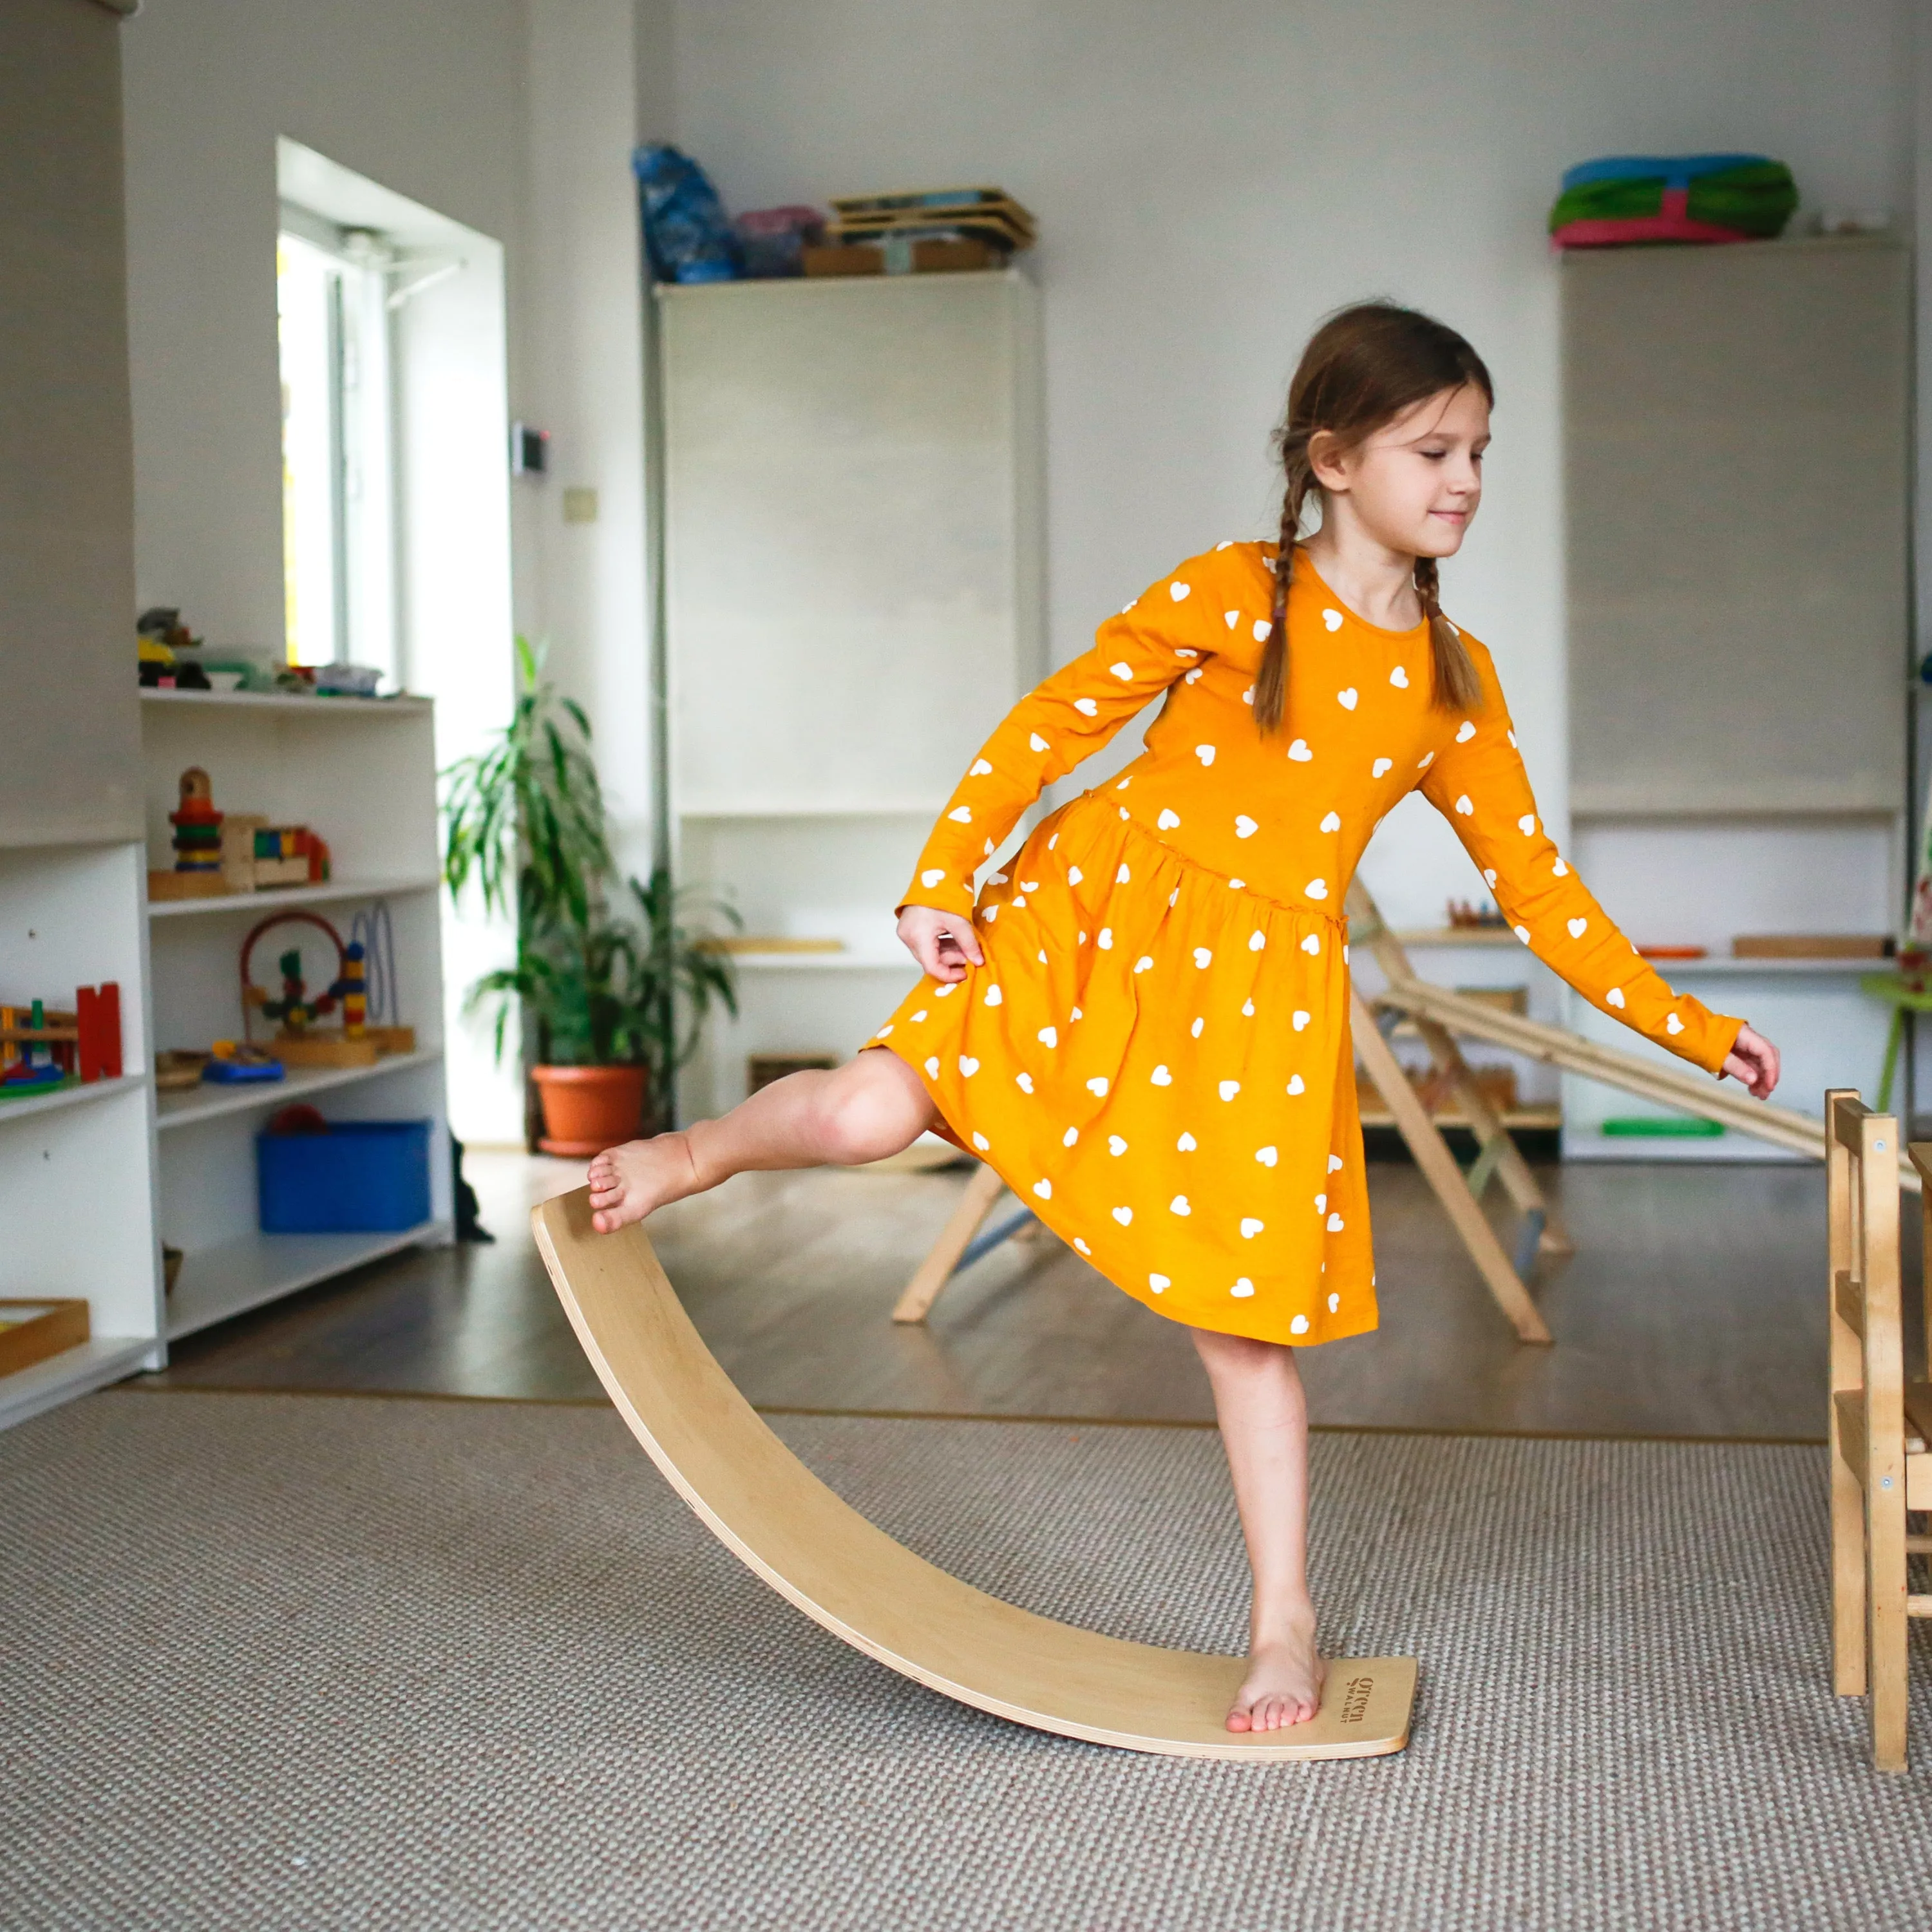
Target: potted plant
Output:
{"points": [[613, 987]]}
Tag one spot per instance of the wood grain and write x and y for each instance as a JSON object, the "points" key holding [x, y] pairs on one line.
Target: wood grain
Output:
{"points": [[871, 1592]]}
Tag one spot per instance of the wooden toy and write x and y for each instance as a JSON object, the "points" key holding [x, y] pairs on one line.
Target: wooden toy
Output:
{"points": [[1880, 1424], [232, 1064], [815, 1550], [217, 852], [296, 1010], [39, 1048], [30, 1331]]}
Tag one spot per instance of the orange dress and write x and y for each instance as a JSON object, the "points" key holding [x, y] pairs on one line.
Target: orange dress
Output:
{"points": [[1156, 1055]]}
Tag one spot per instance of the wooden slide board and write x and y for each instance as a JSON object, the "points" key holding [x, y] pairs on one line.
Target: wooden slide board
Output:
{"points": [[792, 1532]]}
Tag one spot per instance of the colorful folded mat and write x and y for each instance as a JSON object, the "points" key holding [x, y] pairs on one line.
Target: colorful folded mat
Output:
{"points": [[1629, 198]]}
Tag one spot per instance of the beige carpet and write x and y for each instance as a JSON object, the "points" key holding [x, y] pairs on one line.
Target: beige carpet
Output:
{"points": [[328, 1662]]}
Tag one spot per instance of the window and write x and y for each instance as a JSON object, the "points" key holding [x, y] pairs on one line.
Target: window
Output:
{"points": [[338, 530]]}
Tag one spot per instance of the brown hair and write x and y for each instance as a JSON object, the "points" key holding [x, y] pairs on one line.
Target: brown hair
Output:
{"points": [[1361, 369]]}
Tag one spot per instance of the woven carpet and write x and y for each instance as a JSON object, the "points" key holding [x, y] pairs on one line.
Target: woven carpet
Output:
{"points": [[319, 1662]]}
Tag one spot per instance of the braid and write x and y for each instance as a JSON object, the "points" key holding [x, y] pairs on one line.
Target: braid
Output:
{"points": [[1271, 682], [1456, 685]]}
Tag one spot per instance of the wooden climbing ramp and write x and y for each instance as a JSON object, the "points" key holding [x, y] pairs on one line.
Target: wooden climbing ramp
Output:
{"points": [[793, 1533]]}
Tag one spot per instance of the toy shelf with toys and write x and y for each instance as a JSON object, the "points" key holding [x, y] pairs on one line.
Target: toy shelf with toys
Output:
{"points": [[80, 1290], [296, 972]]}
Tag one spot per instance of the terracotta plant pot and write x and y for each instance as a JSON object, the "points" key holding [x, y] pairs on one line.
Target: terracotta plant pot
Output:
{"points": [[587, 1109]]}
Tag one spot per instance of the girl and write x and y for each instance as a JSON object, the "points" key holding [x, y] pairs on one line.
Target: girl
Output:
{"points": [[1143, 1022]]}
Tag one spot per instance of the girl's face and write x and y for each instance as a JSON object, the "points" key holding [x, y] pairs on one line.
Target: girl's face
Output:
{"points": [[1413, 486]]}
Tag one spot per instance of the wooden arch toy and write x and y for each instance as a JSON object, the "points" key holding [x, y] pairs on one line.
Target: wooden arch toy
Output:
{"points": [[818, 1552]]}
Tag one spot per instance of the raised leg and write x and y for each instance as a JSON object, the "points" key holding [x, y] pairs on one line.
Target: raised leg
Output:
{"points": [[1264, 1419], [871, 1106]]}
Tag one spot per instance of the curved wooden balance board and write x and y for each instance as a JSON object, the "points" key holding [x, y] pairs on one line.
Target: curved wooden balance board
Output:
{"points": [[767, 1507]]}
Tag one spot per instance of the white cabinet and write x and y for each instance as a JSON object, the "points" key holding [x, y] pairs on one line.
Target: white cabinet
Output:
{"points": [[853, 589], [1735, 443]]}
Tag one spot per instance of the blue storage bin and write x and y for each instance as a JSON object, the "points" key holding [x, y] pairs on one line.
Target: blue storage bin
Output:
{"points": [[361, 1176]]}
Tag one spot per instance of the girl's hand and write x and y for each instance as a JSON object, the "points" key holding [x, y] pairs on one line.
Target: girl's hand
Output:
{"points": [[944, 943], [1752, 1060]]}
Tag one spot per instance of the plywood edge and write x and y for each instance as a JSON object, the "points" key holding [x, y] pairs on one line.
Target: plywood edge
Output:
{"points": [[1367, 1707]]}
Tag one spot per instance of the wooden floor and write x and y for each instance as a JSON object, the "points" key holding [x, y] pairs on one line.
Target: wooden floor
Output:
{"points": [[1693, 1307]]}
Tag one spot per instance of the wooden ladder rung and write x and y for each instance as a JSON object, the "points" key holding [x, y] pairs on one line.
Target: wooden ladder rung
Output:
{"points": [[1848, 1297], [1850, 1404], [1918, 1606]]}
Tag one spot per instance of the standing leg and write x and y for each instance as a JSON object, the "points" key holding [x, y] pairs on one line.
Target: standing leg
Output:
{"points": [[1263, 1418], [870, 1107]]}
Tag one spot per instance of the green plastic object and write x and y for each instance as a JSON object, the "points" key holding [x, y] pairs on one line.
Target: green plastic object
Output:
{"points": [[1645, 1127]]}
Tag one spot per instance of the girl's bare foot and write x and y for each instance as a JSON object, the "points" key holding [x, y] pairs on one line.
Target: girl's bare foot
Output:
{"points": [[628, 1182], [1283, 1685]]}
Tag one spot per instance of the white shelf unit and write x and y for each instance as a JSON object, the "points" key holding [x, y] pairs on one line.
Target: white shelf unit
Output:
{"points": [[76, 1189], [854, 590], [1738, 731], [362, 774]]}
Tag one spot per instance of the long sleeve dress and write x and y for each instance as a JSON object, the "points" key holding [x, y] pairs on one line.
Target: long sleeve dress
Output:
{"points": [[1156, 1054]]}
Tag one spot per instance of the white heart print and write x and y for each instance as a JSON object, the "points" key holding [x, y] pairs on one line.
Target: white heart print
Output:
{"points": [[1024, 1081], [1250, 1227], [1311, 945], [1205, 753], [1296, 1085], [1398, 678], [1234, 617], [1332, 619], [932, 878], [1167, 820], [1299, 752], [1179, 1205], [1115, 1145], [1122, 671], [1087, 707], [1201, 957], [1047, 1036], [962, 813], [1317, 889], [968, 1066], [1673, 1024], [1229, 1088], [980, 1141], [1187, 1143], [1124, 1216], [1614, 997], [1044, 1189], [1242, 1289], [1381, 768], [1245, 827], [980, 767], [1178, 591], [1526, 824], [1464, 806], [1160, 1077], [1264, 630], [993, 996], [1298, 1019], [1347, 699], [1578, 927], [1466, 731], [1335, 1224], [1158, 1282], [1267, 1156], [1097, 1086], [1299, 1326], [1333, 822]]}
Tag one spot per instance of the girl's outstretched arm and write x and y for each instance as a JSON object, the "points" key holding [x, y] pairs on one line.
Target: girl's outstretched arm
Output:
{"points": [[1479, 784], [1167, 632]]}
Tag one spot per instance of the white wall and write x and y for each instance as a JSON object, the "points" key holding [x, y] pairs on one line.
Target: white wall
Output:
{"points": [[426, 98], [1211, 179], [583, 584]]}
